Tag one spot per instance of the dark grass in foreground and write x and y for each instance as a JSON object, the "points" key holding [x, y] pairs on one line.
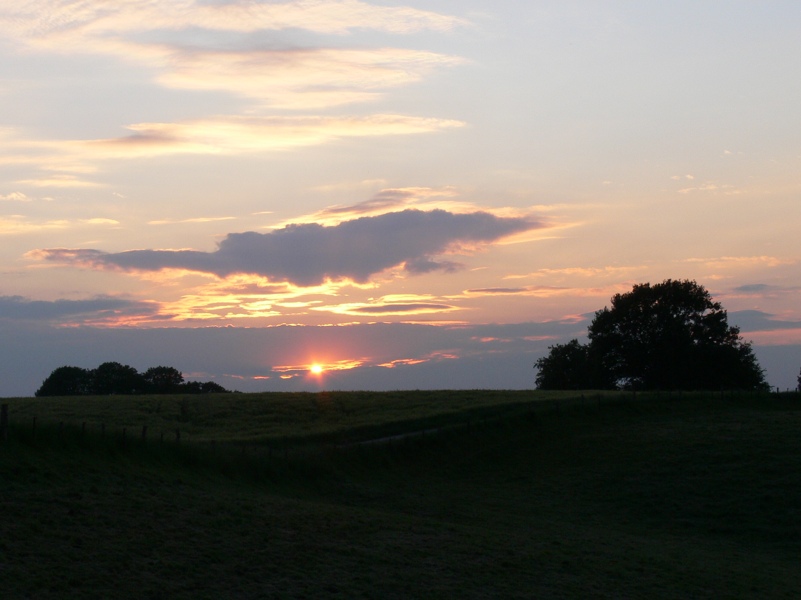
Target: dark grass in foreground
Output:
{"points": [[696, 496]]}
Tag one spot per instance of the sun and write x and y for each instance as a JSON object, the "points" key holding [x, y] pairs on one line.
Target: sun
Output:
{"points": [[316, 369]]}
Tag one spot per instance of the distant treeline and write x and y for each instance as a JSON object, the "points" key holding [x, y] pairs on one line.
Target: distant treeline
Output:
{"points": [[116, 378]]}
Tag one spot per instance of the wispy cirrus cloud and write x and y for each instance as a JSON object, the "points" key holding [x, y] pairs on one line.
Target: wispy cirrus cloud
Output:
{"points": [[726, 262], [223, 135], [73, 24], [311, 254], [241, 134], [19, 224], [190, 220], [59, 181], [155, 34], [211, 46], [14, 197], [301, 79], [582, 272]]}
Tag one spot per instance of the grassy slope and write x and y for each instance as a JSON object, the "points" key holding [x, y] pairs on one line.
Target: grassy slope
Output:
{"points": [[661, 499]]}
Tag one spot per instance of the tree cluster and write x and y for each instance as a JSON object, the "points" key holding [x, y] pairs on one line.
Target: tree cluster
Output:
{"points": [[669, 336], [116, 378]]}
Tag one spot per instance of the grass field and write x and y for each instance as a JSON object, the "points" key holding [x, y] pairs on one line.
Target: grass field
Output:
{"points": [[506, 495]]}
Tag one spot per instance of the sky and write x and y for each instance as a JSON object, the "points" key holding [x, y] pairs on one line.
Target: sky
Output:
{"points": [[409, 194]]}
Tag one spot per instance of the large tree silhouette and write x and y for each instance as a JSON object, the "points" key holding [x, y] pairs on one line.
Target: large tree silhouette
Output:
{"points": [[163, 380], [671, 335], [67, 381], [116, 378]]}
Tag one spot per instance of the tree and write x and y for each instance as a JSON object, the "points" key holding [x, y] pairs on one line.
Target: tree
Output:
{"points": [[210, 387], [671, 335], [799, 382], [115, 378], [163, 380], [570, 366], [204, 387], [66, 381]]}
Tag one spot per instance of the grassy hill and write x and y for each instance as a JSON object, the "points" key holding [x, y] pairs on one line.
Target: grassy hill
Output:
{"points": [[506, 495]]}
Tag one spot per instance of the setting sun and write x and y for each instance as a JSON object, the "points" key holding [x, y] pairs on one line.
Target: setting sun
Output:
{"points": [[316, 369]]}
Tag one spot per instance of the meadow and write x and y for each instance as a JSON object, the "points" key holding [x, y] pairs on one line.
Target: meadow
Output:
{"points": [[468, 494]]}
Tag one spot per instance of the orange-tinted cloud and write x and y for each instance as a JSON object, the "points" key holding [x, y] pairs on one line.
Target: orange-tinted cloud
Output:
{"points": [[77, 26], [18, 224], [301, 79], [220, 135]]}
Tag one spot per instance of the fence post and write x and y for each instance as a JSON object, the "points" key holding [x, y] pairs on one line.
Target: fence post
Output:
{"points": [[4, 422]]}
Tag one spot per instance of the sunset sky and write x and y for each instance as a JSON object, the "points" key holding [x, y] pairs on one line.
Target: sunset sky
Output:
{"points": [[409, 194]]}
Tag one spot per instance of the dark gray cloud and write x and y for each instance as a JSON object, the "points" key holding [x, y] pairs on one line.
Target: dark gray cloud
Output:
{"points": [[754, 287], [426, 265], [309, 254], [757, 320], [19, 308], [498, 290], [389, 309]]}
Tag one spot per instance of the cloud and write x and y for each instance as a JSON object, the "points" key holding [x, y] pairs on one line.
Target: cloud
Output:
{"points": [[532, 290], [395, 309], [210, 46], [18, 224], [14, 197], [766, 329], [60, 181], [734, 262], [755, 288], [74, 25], [235, 134], [397, 199], [191, 220], [388, 308], [183, 45], [213, 136], [95, 310], [301, 78], [311, 254], [222, 135], [542, 291], [763, 290], [726, 189], [757, 320], [608, 271]]}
